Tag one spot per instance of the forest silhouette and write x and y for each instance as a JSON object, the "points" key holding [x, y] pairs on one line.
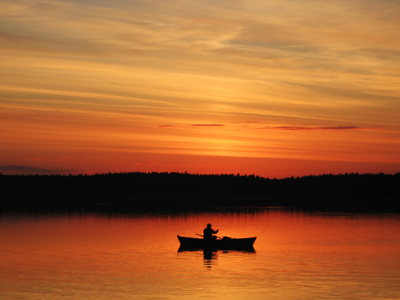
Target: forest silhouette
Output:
{"points": [[181, 191]]}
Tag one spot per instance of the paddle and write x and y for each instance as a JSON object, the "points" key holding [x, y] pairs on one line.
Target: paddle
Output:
{"points": [[218, 237]]}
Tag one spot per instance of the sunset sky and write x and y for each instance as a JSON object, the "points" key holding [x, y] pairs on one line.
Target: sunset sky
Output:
{"points": [[277, 88]]}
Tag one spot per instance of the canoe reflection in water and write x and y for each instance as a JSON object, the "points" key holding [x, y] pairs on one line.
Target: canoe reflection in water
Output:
{"points": [[208, 256]]}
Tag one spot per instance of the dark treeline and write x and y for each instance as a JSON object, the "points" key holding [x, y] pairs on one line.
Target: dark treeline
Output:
{"points": [[182, 190]]}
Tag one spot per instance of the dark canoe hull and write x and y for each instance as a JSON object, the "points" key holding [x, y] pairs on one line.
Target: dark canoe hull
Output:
{"points": [[219, 244]]}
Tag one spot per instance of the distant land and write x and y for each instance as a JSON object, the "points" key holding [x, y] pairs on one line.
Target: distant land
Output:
{"points": [[182, 191]]}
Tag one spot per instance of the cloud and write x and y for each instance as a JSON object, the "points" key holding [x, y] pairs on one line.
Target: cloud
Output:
{"points": [[208, 125], [192, 125], [15, 169], [143, 163], [318, 127]]}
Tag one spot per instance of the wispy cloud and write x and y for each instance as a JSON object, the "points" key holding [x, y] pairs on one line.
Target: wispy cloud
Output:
{"points": [[191, 125], [317, 127], [207, 125], [143, 163], [17, 169]]}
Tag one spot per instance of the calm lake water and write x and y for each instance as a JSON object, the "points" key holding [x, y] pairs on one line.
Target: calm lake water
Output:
{"points": [[297, 256]]}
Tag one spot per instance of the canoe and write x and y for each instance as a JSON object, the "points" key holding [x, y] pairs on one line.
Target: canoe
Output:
{"points": [[225, 243]]}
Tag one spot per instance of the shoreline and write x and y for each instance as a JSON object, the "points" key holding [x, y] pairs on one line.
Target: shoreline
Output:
{"points": [[181, 191]]}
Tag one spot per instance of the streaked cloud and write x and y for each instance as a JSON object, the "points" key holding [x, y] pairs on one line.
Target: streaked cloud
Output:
{"points": [[31, 170], [207, 125], [316, 128], [143, 163]]}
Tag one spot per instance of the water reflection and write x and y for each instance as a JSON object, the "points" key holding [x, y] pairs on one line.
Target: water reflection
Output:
{"points": [[211, 255], [208, 256], [132, 257]]}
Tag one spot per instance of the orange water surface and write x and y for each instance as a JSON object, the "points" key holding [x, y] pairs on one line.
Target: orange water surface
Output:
{"points": [[112, 256]]}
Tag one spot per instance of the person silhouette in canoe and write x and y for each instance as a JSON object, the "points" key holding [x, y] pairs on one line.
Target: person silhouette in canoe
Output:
{"points": [[208, 233]]}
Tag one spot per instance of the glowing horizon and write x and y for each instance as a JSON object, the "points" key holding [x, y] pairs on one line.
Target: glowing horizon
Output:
{"points": [[274, 88]]}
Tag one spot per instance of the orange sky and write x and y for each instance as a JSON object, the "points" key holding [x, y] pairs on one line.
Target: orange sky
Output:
{"points": [[274, 88]]}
